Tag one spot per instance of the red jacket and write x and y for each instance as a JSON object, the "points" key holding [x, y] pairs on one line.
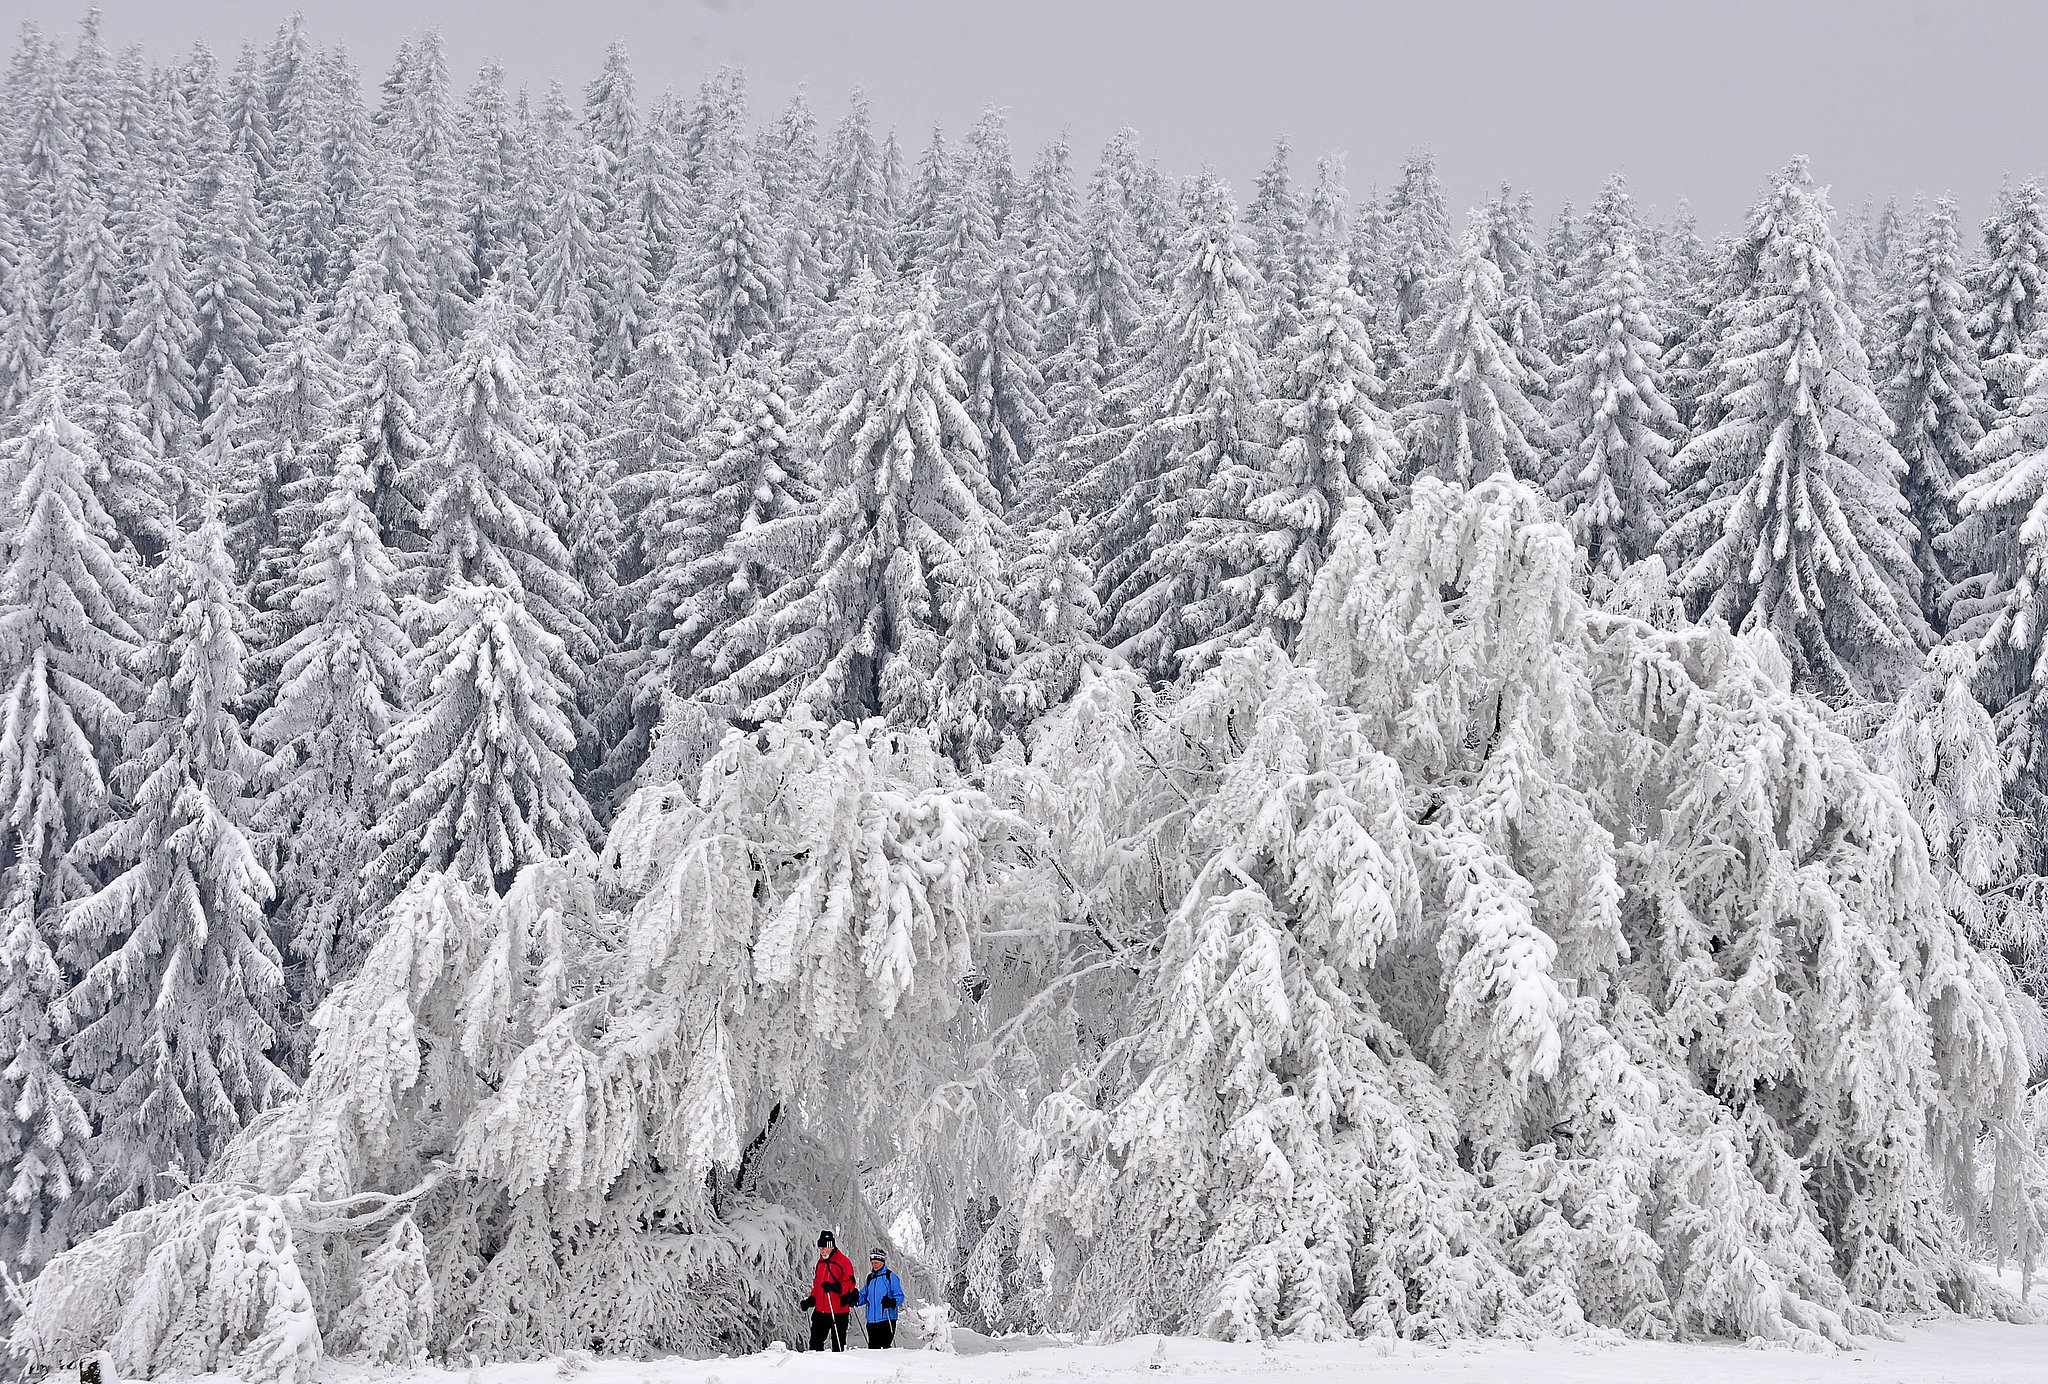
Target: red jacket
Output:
{"points": [[833, 1288]]}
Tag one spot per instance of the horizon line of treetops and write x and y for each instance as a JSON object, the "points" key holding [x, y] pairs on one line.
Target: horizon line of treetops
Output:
{"points": [[391, 487]]}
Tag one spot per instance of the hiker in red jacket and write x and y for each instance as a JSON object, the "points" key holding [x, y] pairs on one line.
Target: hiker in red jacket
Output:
{"points": [[833, 1294]]}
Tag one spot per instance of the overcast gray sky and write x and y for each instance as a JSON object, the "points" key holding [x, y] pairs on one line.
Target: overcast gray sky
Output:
{"points": [[1694, 99]]}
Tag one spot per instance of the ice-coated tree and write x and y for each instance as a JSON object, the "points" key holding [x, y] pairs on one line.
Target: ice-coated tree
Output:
{"points": [[745, 472], [67, 638], [1424, 995], [382, 429], [1418, 237], [1049, 222], [1168, 499], [339, 678], [489, 493], [830, 884], [1934, 391], [131, 477], [859, 628], [234, 288], [479, 783], [157, 327], [1795, 524], [1336, 450], [998, 354], [173, 1026], [1942, 748], [1471, 416], [2011, 291], [1614, 422], [734, 272], [856, 224]]}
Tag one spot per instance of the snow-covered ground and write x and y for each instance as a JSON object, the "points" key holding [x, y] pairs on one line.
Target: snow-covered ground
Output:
{"points": [[1937, 1351]]}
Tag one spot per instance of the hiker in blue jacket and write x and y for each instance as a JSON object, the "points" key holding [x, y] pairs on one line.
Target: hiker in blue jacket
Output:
{"points": [[883, 1295]]}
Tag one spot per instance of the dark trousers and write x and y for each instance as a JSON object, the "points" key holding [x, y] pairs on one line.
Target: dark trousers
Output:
{"points": [[881, 1335], [828, 1326]]}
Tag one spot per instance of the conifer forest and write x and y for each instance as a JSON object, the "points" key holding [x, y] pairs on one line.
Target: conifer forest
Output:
{"points": [[592, 679]]}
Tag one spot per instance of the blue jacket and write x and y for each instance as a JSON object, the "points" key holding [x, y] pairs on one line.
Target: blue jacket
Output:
{"points": [[879, 1286]]}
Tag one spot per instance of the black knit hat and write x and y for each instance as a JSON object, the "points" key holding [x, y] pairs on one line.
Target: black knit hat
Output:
{"points": [[825, 1238], [876, 1253]]}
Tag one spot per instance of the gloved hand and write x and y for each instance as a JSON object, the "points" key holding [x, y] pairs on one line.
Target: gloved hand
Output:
{"points": [[889, 1302], [808, 1303]]}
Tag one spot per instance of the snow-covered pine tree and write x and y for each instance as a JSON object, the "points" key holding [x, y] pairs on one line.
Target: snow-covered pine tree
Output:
{"points": [[860, 628], [998, 354], [1418, 237], [1471, 416], [1278, 226], [1058, 616], [2011, 292], [158, 326], [734, 272], [856, 226], [382, 429], [1329, 212], [133, 480], [659, 406], [1171, 496], [1507, 233], [574, 248], [1050, 226], [281, 438], [1934, 391], [67, 637], [1336, 450], [1997, 606], [746, 472], [488, 494], [173, 1026], [236, 299], [479, 783], [338, 682], [1796, 524], [1615, 424]]}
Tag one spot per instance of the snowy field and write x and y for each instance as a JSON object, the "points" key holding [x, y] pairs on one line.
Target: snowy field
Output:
{"points": [[1939, 1351]]}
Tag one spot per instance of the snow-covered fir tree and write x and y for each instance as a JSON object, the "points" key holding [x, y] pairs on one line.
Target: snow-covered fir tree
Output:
{"points": [[339, 679], [860, 629], [1336, 450], [1795, 523], [1169, 496], [174, 1023], [68, 616], [1616, 423], [1472, 416], [2011, 291], [1933, 388]]}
